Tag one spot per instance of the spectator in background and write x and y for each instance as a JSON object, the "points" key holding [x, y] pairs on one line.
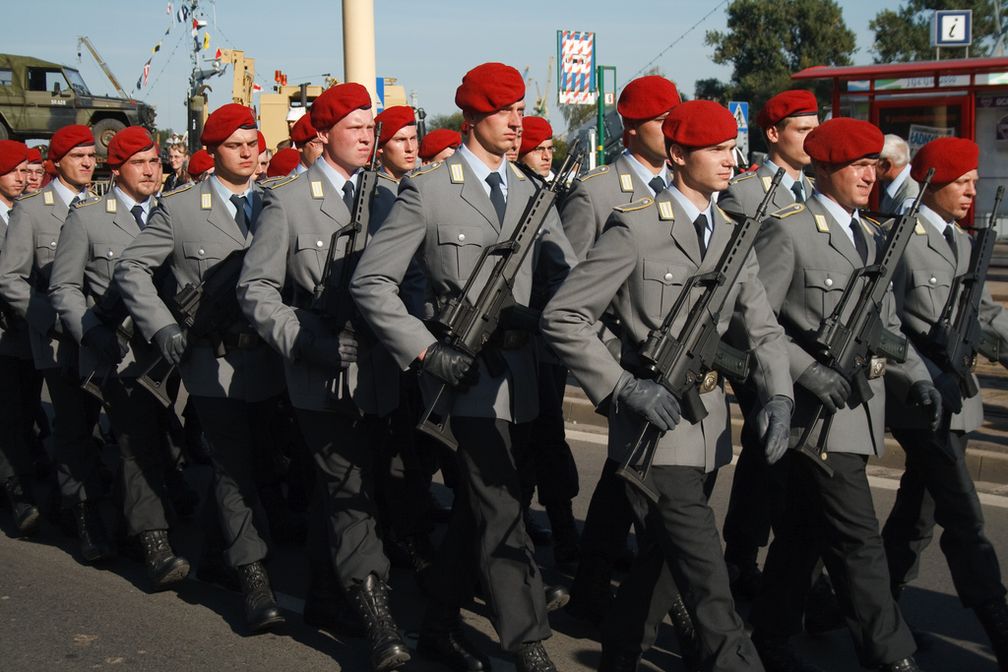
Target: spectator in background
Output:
{"points": [[178, 157], [895, 183]]}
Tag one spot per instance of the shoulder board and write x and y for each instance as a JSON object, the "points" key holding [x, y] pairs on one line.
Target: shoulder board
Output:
{"points": [[724, 215], [595, 172], [385, 176], [742, 176], [870, 226], [517, 171], [423, 170], [269, 180], [871, 220], [636, 205], [281, 182], [179, 190], [89, 201], [25, 197], [792, 209]]}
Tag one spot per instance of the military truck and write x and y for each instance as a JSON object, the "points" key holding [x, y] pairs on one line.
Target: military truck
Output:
{"points": [[39, 97]]}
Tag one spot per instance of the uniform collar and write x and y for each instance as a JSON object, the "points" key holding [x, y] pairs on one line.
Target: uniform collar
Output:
{"points": [[481, 170], [65, 194], [691, 210], [130, 203], [787, 181], [839, 215], [5, 212], [644, 173], [335, 179], [933, 218]]}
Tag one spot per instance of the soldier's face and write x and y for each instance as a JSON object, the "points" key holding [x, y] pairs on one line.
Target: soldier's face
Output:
{"points": [[540, 159], [263, 165], [77, 166], [787, 139], [647, 140], [849, 184], [500, 132], [953, 200], [34, 175], [398, 155], [140, 175], [12, 184], [236, 159], [705, 169], [442, 155], [348, 144], [310, 151]]}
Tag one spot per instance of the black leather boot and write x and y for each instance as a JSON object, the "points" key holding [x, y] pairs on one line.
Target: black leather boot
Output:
{"points": [[689, 641], [388, 650], [565, 534], [450, 647], [618, 660], [261, 610], [591, 593], [163, 566], [94, 542], [557, 597], [778, 656], [532, 657], [902, 665], [26, 514], [993, 616]]}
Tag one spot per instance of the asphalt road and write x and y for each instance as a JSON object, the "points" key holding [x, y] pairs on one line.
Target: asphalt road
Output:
{"points": [[56, 614]]}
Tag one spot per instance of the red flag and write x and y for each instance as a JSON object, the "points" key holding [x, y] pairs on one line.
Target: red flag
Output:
{"points": [[217, 55], [146, 72]]}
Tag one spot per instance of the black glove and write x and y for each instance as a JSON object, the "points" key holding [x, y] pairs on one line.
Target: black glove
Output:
{"points": [[653, 401], [171, 342], [450, 365], [923, 393], [104, 343], [951, 394], [827, 385], [327, 352], [773, 423]]}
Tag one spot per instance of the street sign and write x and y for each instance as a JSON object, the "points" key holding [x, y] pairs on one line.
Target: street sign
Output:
{"points": [[952, 28], [380, 93], [740, 110]]}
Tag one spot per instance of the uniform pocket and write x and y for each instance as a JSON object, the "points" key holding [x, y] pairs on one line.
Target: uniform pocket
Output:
{"points": [[823, 290], [105, 255], [312, 249], [45, 248], [931, 288], [663, 284], [201, 257], [460, 248]]}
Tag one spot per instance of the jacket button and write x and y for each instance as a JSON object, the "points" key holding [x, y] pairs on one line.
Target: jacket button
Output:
{"points": [[201, 251], [111, 253], [668, 277], [829, 282], [318, 243], [52, 244], [933, 280], [461, 237]]}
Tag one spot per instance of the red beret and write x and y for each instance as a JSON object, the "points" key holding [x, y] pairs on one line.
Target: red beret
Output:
{"points": [[200, 162], [303, 132], [436, 141], [283, 162], [490, 87], [336, 102], [128, 142], [262, 142], [842, 140], [34, 155], [647, 98], [794, 103], [392, 119], [950, 157], [224, 121], [12, 154], [535, 131], [699, 123], [67, 138], [50, 168]]}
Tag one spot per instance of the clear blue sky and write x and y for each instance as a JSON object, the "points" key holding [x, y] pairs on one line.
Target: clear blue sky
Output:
{"points": [[427, 45]]}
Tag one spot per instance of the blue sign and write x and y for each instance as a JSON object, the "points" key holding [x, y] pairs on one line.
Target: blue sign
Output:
{"points": [[740, 110], [380, 93], [952, 28]]}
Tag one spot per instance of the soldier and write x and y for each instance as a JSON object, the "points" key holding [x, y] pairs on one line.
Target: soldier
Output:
{"points": [[785, 119], [307, 141], [283, 162], [264, 158], [438, 145], [397, 146], [35, 172], [536, 149], [640, 268], [201, 165], [439, 215], [17, 398], [94, 236], [30, 247], [807, 252], [191, 233], [639, 172], [896, 184], [936, 485], [291, 247]]}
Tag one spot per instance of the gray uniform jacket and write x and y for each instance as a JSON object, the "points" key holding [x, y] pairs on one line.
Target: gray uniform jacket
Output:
{"points": [[14, 339], [189, 232], [909, 189], [922, 285], [93, 238], [29, 250], [444, 216], [746, 191], [592, 198], [639, 265], [805, 261], [293, 234]]}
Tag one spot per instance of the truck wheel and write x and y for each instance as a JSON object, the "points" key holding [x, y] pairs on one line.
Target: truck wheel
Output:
{"points": [[103, 131]]}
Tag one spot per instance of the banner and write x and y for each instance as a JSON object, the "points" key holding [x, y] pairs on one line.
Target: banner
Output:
{"points": [[576, 68], [921, 135]]}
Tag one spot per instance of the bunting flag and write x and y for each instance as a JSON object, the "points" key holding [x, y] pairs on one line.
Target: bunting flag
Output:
{"points": [[256, 88], [157, 48], [169, 9], [206, 41], [146, 71], [217, 55], [195, 27]]}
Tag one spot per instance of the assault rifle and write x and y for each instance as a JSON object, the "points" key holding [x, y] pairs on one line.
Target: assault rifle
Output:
{"points": [[955, 341], [110, 311], [330, 297], [205, 311], [681, 362], [468, 325], [849, 341]]}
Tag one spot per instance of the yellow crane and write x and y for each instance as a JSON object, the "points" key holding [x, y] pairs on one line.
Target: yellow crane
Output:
{"points": [[83, 39]]}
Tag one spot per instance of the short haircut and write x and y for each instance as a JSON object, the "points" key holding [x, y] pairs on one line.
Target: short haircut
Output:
{"points": [[895, 150]]}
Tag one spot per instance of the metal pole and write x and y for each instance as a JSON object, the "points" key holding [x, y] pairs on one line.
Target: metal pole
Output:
{"points": [[359, 44], [600, 108]]}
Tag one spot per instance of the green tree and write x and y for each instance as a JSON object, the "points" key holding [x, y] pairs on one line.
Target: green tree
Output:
{"points": [[451, 121], [711, 89], [904, 34]]}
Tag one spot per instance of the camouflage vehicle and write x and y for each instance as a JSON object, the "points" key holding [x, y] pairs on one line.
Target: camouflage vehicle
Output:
{"points": [[39, 97]]}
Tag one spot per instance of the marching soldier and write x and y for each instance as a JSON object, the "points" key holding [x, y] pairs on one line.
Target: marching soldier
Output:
{"points": [[192, 232], [785, 119], [438, 145], [32, 236], [936, 485], [447, 213], [536, 150], [18, 394], [639, 264], [283, 162], [308, 144], [291, 247], [640, 172], [201, 165], [94, 236], [397, 146], [807, 253], [36, 171]]}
